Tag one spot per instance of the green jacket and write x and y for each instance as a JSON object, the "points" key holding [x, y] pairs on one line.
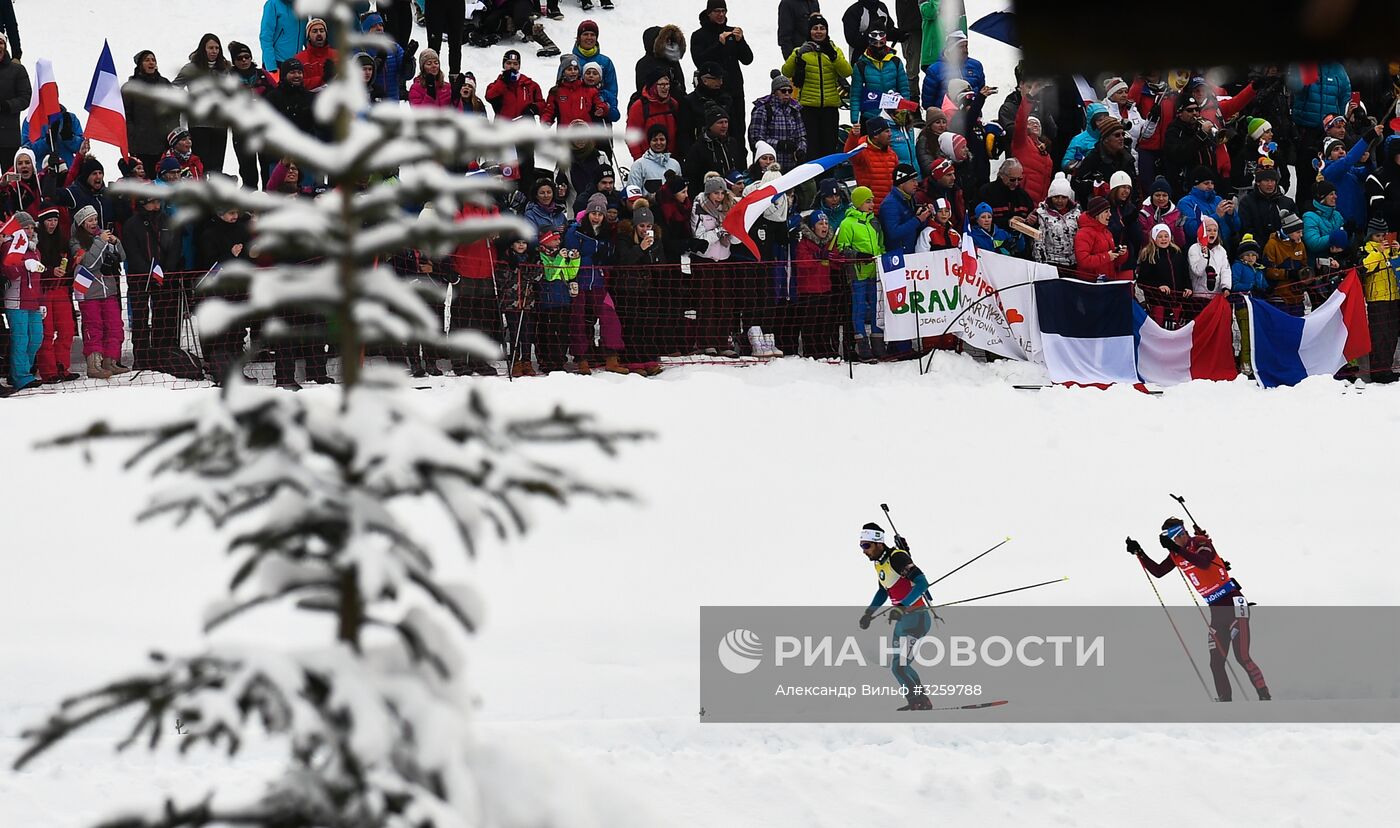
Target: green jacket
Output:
{"points": [[933, 34], [558, 272], [859, 235], [821, 87]]}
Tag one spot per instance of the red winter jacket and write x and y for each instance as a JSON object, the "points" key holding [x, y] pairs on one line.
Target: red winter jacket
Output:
{"points": [[1218, 112], [476, 260], [572, 101], [1037, 163], [190, 167], [646, 111], [874, 168], [313, 63], [514, 101], [24, 289], [813, 262], [1093, 252]]}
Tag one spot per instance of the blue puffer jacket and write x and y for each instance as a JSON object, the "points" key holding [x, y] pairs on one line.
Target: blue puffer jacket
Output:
{"points": [[1350, 181], [1318, 225], [546, 218], [935, 88], [1202, 202], [1083, 143], [1246, 279], [594, 255], [609, 88], [901, 225], [869, 75], [1330, 94]]}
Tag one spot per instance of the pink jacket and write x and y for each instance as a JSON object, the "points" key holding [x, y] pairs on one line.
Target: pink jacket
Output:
{"points": [[418, 93]]}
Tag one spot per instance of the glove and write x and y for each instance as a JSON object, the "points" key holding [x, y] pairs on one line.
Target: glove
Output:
{"points": [[897, 612], [865, 620], [1134, 548], [800, 154], [34, 266], [901, 543], [806, 48], [698, 246]]}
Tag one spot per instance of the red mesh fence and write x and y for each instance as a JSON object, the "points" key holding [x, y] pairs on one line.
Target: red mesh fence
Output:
{"points": [[612, 318]]}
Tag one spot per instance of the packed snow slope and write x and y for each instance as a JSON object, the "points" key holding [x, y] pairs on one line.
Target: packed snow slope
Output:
{"points": [[752, 492]]}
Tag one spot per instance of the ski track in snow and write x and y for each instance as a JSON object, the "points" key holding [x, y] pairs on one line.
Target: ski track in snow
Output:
{"points": [[586, 667]]}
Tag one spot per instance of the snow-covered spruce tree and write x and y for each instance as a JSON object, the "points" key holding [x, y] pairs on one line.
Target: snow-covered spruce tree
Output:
{"points": [[307, 488]]}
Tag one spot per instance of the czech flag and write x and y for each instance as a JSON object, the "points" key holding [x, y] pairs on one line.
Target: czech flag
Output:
{"points": [[157, 275], [742, 215], [82, 280], [1086, 331], [1286, 349], [43, 101], [106, 113], [1202, 349]]}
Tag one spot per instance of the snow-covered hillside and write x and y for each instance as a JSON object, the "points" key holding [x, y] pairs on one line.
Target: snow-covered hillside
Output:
{"points": [[751, 493]]}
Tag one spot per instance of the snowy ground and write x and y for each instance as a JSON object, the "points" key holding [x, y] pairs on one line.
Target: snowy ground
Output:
{"points": [[751, 494]]}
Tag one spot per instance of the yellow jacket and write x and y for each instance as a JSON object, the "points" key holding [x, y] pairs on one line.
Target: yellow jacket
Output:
{"points": [[1378, 273]]}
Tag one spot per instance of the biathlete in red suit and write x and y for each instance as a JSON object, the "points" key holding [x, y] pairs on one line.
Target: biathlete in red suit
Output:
{"points": [[1203, 567]]}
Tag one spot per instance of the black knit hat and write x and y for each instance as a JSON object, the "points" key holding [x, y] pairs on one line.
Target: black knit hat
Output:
{"points": [[1323, 189], [1201, 174], [816, 19], [235, 49], [903, 173], [510, 54], [141, 55]]}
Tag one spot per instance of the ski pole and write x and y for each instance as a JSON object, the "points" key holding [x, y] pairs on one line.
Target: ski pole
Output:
{"points": [[1004, 592], [989, 551], [1224, 649], [1184, 648]]}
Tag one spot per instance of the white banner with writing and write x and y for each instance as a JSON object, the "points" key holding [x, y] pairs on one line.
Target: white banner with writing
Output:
{"points": [[987, 302]]}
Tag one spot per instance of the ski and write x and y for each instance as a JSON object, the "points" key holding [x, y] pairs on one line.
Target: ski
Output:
{"points": [[977, 706]]}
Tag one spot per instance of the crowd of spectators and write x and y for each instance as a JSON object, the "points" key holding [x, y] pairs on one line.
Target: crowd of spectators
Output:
{"points": [[1178, 179]]}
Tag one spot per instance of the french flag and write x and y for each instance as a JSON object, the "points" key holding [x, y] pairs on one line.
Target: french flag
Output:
{"points": [[1287, 350], [43, 100], [742, 215], [1202, 349], [106, 113], [969, 250], [82, 280], [1086, 331]]}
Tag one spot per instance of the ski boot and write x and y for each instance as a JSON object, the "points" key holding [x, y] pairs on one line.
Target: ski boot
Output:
{"points": [[771, 346], [547, 46], [863, 349], [586, 5], [877, 346], [607, 5], [614, 365]]}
